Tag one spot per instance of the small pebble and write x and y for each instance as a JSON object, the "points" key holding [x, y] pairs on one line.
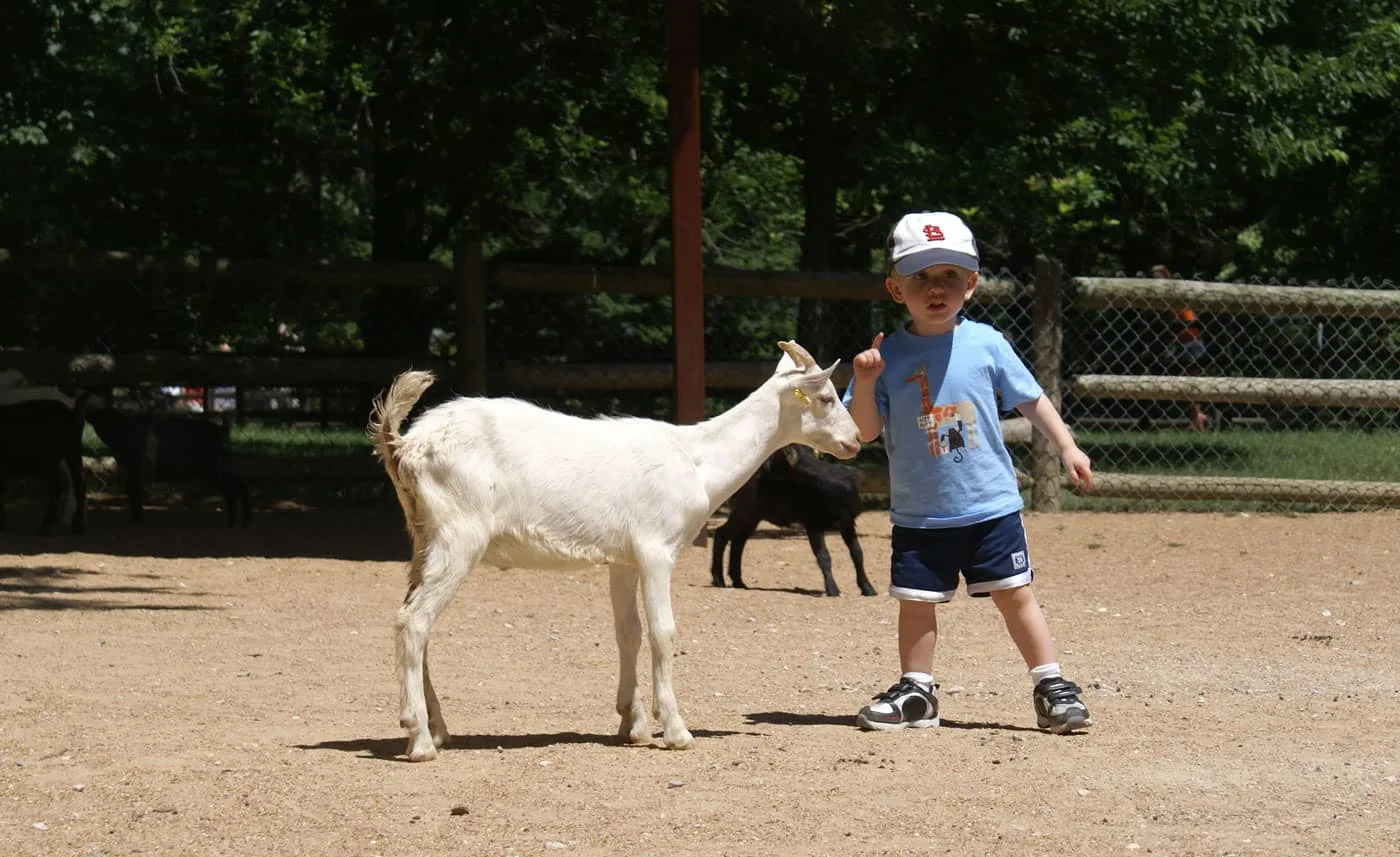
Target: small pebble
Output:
{"points": [[553, 845], [674, 784], [39, 825], [77, 787]]}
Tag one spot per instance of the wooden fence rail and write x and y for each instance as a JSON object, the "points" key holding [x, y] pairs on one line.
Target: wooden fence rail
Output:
{"points": [[471, 279]]}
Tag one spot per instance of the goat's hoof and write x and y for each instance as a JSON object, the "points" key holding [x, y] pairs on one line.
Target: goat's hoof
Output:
{"points": [[739, 584], [680, 741], [868, 592], [717, 583], [635, 733], [833, 593], [419, 753]]}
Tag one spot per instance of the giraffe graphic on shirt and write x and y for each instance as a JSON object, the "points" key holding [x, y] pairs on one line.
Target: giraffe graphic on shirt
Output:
{"points": [[951, 429]]}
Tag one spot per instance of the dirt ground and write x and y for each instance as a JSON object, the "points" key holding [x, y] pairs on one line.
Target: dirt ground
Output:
{"points": [[187, 690]]}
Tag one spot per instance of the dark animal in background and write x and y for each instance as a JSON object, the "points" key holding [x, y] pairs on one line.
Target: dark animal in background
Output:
{"points": [[794, 487], [43, 439], [171, 448]]}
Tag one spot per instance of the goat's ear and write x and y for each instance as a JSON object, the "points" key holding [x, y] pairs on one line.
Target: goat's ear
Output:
{"points": [[790, 453]]}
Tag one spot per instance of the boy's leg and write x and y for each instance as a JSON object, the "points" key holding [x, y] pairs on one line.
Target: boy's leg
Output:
{"points": [[1026, 624], [923, 573], [1058, 707], [918, 633], [1002, 570], [911, 702]]}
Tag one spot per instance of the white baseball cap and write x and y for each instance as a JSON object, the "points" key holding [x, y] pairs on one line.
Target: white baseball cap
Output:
{"points": [[926, 238]]}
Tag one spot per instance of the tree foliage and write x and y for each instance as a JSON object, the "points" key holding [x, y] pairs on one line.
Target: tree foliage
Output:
{"points": [[1233, 139]]}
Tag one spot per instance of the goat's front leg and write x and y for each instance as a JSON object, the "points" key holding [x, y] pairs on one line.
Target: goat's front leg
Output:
{"points": [[661, 622], [818, 543], [736, 559], [721, 537], [627, 626], [848, 535]]}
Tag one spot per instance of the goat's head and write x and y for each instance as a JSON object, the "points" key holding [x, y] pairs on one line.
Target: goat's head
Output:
{"points": [[809, 395]]}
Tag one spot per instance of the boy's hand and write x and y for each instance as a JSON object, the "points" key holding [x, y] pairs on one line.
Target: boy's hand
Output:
{"points": [[1077, 468], [868, 364]]}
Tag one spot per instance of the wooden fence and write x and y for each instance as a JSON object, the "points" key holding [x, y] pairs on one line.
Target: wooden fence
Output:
{"points": [[471, 278]]}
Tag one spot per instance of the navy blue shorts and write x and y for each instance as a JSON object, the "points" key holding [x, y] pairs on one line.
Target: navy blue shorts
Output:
{"points": [[924, 564]]}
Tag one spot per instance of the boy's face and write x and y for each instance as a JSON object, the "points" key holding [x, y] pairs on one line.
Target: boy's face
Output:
{"points": [[934, 296]]}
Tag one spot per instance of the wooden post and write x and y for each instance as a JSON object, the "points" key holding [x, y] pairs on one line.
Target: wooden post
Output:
{"points": [[687, 288], [1047, 342], [469, 281]]}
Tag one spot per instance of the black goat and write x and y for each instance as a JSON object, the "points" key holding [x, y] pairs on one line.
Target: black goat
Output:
{"points": [[170, 447], [794, 487], [43, 439]]}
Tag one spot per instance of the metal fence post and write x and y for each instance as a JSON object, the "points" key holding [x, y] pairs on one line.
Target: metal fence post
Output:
{"points": [[1047, 342]]}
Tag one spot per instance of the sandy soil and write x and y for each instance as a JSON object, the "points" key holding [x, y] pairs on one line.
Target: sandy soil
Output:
{"points": [[182, 689]]}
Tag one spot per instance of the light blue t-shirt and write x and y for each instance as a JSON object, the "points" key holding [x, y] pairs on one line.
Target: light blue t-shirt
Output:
{"points": [[938, 395]]}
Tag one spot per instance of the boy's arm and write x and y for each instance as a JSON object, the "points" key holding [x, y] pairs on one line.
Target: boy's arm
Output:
{"points": [[1047, 421], [865, 412]]}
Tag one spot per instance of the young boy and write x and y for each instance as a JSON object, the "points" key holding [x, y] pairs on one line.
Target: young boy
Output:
{"points": [[932, 389]]}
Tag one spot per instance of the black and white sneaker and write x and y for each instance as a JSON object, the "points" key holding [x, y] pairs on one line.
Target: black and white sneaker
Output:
{"points": [[904, 705], [1058, 707]]}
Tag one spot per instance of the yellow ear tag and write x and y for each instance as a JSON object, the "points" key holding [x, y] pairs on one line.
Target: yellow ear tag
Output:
{"points": [[801, 396]]}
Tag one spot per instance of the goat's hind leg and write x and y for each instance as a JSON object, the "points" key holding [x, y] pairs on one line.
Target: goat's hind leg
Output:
{"points": [[438, 569], [634, 727], [437, 726]]}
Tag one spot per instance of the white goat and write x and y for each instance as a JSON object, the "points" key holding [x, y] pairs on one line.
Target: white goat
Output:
{"points": [[504, 482]]}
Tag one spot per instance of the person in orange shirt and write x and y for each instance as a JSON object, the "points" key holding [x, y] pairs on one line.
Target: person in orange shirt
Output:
{"points": [[1190, 336]]}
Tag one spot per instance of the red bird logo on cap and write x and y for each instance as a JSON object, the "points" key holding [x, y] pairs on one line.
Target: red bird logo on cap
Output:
{"points": [[933, 233]]}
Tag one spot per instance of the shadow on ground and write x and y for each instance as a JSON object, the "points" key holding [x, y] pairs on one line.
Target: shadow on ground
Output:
{"points": [[393, 748], [787, 718], [58, 588], [371, 532]]}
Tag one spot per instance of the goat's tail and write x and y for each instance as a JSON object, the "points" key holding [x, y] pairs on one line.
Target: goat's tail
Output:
{"points": [[390, 410], [388, 414]]}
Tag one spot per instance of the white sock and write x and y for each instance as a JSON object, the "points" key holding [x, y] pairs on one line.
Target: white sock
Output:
{"points": [[1044, 671], [923, 680]]}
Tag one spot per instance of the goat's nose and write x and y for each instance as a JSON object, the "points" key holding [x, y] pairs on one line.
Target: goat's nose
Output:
{"points": [[849, 449]]}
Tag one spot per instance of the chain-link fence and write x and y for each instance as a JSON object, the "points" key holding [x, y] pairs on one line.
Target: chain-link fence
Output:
{"points": [[1183, 393], [1259, 391]]}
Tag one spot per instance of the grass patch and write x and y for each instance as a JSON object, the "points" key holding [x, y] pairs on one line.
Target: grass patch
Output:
{"points": [[1370, 456], [260, 440]]}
